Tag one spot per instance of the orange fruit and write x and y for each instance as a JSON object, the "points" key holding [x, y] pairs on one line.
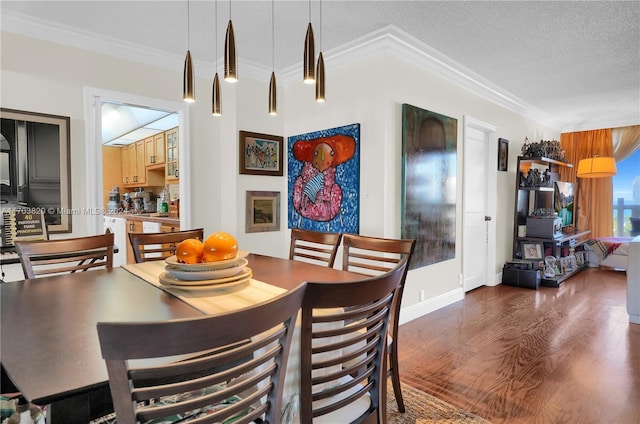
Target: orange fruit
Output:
{"points": [[189, 251], [219, 247]]}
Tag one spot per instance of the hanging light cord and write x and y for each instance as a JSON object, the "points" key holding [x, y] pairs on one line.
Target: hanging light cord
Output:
{"points": [[188, 26], [320, 25], [216, 30], [273, 38]]}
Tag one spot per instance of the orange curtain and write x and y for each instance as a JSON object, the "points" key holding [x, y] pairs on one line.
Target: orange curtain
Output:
{"points": [[595, 195]]}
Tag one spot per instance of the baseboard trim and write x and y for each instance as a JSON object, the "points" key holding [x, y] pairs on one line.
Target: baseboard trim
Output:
{"points": [[422, 308]]}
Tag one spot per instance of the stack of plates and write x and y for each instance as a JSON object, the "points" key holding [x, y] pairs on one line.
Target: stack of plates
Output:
{"points": [[225, 272]]}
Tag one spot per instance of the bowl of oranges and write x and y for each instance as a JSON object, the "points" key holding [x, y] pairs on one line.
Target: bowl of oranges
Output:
{"points": [[217, 256]]}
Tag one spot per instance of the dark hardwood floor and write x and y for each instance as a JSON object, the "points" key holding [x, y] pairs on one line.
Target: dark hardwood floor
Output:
{"points": [[514, 355]]}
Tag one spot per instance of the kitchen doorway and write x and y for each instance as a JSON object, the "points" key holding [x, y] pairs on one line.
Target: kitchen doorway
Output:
{"points": [[94, 99]]}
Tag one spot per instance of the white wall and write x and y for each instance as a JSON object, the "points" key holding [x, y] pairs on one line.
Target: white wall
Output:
{"points": [[44, 77]]}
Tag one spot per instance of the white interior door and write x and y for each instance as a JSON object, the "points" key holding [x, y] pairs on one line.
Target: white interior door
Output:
{"points": [[480, 161]]}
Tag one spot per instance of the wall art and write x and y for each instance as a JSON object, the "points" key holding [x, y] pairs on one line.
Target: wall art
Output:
{"points": [[429, 145], [324, 180], [35, 166], [263, 211], [503, 154], [260, 154]]}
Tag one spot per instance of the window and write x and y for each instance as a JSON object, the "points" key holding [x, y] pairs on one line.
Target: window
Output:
{"points": [[626, 196]]}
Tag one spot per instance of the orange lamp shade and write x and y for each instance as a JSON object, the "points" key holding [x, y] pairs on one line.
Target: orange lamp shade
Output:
{"points": [[597, 167]]}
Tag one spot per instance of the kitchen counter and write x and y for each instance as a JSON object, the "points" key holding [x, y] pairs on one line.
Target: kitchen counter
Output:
{"points": [[148, 217]]}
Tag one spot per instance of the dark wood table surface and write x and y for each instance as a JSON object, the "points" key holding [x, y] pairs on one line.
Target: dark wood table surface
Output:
{"points": [[49, 342]]}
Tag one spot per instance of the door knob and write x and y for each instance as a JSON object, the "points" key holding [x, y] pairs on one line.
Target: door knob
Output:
{"points": [[487, 218]]}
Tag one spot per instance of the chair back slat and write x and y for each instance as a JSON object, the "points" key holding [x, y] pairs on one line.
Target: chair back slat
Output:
{"points": [[159, 246], [79, 254], [343, 347], [235, 360], [314, 246]]}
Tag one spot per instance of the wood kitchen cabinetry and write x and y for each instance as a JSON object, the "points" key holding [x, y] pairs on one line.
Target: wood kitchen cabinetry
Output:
{"points": [[155, 150], [133, 169], [171, 138], [135, 172], [132, 227]]}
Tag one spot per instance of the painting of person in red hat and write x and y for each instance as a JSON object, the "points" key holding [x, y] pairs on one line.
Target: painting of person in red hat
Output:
{"points": [[316, 192]]}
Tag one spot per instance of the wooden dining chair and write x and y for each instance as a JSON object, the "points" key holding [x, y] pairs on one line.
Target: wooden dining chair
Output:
{"points": [[220, 366], [335, 318], [158, 246], [314, 246], [373, 256], [71, 255]]}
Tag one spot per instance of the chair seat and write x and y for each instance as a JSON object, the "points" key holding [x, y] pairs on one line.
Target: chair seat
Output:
{"points": [[347, 414]]}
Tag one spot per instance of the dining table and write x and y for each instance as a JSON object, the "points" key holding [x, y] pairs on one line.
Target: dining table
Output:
{"points": [[49, 346]]}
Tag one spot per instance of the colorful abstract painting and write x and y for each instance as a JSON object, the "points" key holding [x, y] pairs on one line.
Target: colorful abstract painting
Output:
{"points": [[429, 144], [324, 180]]}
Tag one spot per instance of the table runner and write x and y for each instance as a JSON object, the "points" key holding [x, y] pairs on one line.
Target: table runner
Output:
{"points": [[214, 301]]}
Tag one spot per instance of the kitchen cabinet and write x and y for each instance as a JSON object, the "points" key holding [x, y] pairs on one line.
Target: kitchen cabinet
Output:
{"points": [[171, 138], [134, 169], [128, 164], [132, 227], [155, 150], [140, 177]]}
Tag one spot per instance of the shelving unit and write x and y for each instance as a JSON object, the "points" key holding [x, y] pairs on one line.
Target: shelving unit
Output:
{"points": [[529, 198]]}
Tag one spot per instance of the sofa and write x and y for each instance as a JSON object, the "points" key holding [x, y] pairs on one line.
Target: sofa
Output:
{"points": [[633, 281], [610, 252]]}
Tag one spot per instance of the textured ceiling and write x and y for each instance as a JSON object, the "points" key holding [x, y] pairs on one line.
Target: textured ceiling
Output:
{"points": [[578, 61]]}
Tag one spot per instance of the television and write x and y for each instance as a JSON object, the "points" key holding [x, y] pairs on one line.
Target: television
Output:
{"points": [[563, 202]]}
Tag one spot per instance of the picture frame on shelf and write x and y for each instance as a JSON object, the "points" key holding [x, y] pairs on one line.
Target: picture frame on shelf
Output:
{"points": [[503, 154], [263, 211], [261, 154], [532, 250]]}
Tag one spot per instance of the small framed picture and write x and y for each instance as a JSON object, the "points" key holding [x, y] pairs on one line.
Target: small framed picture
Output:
{"points": [[263, 211], [532, 250], [503, 154], [260, 154]]}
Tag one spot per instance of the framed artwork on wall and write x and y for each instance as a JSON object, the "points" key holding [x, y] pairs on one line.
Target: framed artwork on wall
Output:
{"points": [[263, 211], [324, 180], [36, 167], [261, 154], [503, 154], [429, 155]]}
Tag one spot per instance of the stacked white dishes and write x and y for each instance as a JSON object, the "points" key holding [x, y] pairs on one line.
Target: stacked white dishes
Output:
{"points": [[204, 275]]}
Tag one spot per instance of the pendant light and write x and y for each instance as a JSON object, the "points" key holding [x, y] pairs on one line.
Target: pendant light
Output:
{"points": [[273, 90], [596, 167], [320, 98], [230, 60], [309, 54], [188, 85], [215, 92]]}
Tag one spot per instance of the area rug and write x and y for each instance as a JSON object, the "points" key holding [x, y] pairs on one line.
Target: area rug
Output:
{"points": [[422, 408]]}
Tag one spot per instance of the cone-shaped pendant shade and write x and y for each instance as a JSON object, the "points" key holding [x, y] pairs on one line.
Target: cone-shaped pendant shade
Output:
{"points": [[230, 60], [320, 80], [273, 94], [188, 89], [309, 56], [215, 97]]}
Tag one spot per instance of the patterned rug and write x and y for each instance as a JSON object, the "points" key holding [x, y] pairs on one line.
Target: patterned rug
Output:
{"points": [[422, 408]]}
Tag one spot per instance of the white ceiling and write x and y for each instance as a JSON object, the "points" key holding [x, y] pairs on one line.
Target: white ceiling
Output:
{"points": [[577, 62]]}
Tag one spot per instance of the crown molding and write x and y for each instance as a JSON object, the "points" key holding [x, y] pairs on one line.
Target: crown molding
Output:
{"points": [[389, 39]]}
